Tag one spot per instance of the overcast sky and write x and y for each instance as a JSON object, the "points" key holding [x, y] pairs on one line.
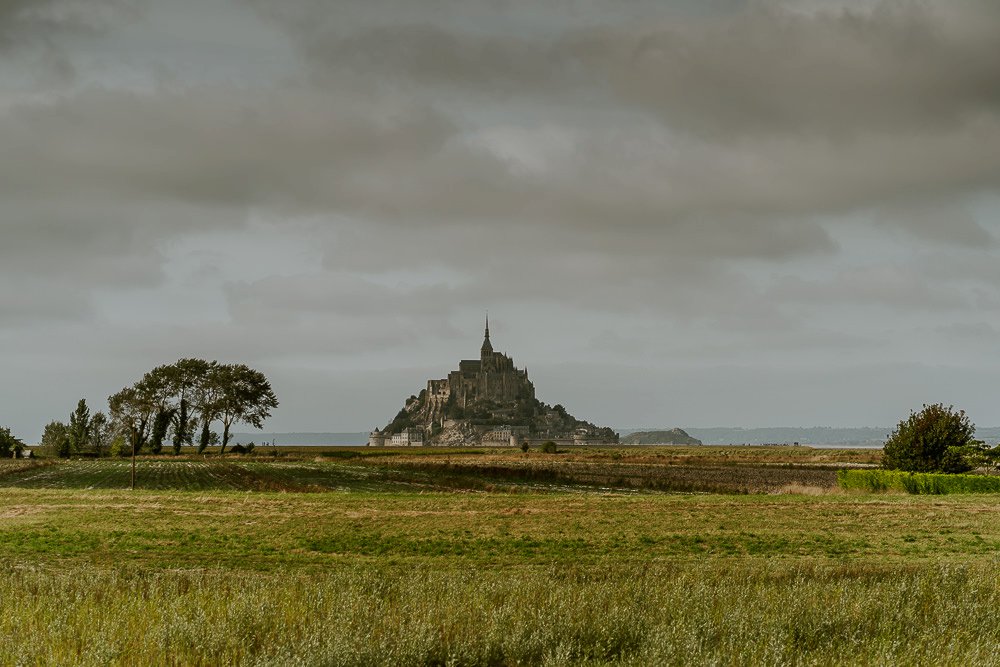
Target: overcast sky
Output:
{"points": [[678, 213]]}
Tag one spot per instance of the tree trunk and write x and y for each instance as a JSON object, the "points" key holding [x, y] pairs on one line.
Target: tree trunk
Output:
{"points": [[206, 436], [180, 436], [225, 437], [135, 439]]}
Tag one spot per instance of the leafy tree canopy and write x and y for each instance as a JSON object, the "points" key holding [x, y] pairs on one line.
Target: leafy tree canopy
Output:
{"points": [[187, 394], [935, 439], [56, 439], [9, 445]]}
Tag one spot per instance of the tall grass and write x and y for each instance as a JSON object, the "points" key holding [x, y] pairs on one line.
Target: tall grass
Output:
{"points": [[916, 483], [737, 613]]}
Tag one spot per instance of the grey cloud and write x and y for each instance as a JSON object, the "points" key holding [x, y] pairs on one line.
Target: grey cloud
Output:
{"points": [[408, 165], [41, 27], [204, 145], [899, 66], [976, 333], [757, 68], [341, 296], [66, 250], [432, 55], [31, 300], [23, 21], [769, 113], [938, 222], [94, 184], [487, 15], [718, 190], [881, 287]]}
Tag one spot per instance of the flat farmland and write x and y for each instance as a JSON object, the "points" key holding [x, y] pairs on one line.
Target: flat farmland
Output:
{"points": [[680, 469], [199, 475], [437, 558]]}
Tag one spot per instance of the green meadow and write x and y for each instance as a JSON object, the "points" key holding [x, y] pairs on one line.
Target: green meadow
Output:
{"points": [[489, 558]]}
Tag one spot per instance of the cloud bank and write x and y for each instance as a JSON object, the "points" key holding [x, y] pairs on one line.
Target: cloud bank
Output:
{"points": [[761, 186]]}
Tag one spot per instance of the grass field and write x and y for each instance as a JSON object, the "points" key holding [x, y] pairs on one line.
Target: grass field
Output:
{"points": [[420, 559]]}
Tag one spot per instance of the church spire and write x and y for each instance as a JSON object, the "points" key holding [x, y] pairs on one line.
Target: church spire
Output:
{"points": [[487, 348]]}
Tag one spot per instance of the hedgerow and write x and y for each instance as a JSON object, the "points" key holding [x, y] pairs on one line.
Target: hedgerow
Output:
{"points": [[916, 483]]}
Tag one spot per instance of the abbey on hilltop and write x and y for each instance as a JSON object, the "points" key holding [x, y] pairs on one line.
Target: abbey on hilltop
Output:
{"points": [[486, 401]]}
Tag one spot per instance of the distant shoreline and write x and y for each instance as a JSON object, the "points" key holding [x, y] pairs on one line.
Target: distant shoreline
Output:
{"points": [[361, 439], [820, 436]]}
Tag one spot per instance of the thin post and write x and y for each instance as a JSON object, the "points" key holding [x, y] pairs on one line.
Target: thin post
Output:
{"points": [[133, 465]]}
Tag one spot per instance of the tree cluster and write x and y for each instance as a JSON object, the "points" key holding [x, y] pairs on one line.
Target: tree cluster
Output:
{"points": [[181, 401], [82, 434]]}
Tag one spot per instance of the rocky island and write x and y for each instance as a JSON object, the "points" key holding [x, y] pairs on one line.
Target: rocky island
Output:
{"points": [[674, 436], [485, 401]]}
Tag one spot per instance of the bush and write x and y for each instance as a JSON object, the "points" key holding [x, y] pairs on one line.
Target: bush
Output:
{"points": [[120, 447], [549, 447], [922, 442], [524, 447]]}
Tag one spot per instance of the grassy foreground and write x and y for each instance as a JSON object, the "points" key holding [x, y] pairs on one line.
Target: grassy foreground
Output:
{"points": [[405, 566], [739, 613]]}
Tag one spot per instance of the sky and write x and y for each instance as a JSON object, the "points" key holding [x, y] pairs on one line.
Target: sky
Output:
{"points": [[677, 213]]}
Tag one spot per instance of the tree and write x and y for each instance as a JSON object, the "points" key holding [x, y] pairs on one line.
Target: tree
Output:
{"points": [[55, 439], [9, 445], [932, 440], [102, 432], [176, 391], [187, 380], [157, 384], [132, 410], [161, 423], [243, 395], [78, 431], [206, 399]]}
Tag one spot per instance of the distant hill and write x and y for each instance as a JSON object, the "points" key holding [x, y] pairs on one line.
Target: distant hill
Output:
{"points": [[787, 435], [674, 436]]}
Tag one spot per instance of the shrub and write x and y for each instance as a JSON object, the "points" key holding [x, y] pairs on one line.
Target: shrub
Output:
{"points": [[120, 447], [549, 447], [524, 447], [921, 443]]}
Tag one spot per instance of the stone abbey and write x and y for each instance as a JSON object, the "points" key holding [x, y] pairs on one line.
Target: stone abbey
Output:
{"points": [[492, 378], [484, 400]]}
